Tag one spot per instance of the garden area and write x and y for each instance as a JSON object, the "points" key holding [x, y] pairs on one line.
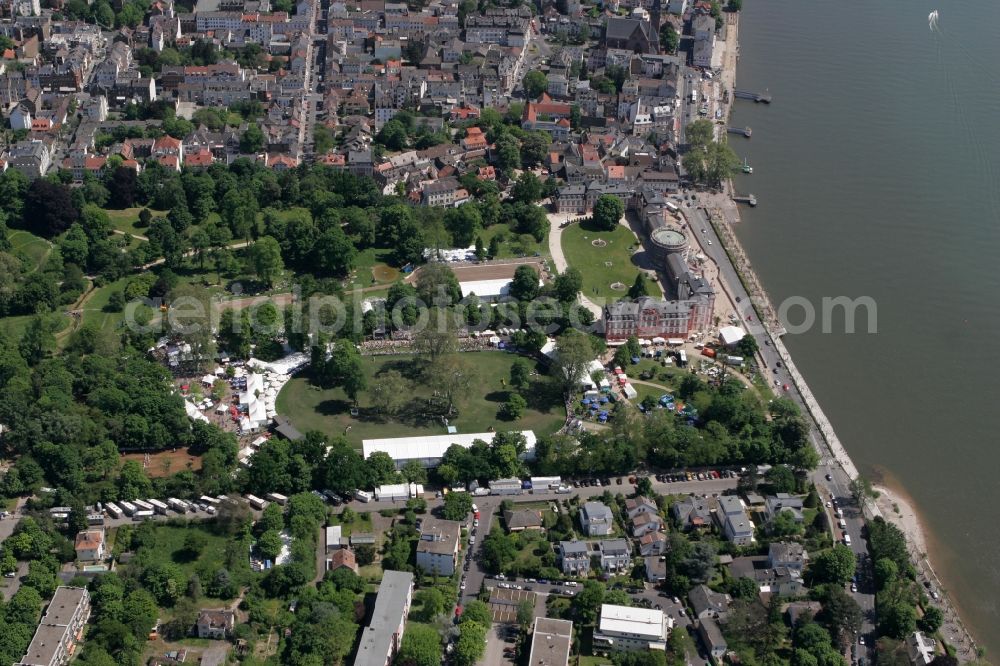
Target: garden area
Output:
{"points": [[606, 257], [331, 411]]}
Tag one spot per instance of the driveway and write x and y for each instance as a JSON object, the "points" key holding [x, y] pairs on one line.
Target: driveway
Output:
{"points": [[559, 259]]}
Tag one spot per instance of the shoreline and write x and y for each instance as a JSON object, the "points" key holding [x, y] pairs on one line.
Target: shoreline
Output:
{"points": [[893, 504]]}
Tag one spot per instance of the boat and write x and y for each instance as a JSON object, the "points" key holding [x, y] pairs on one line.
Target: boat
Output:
{"points": [[747, 169]]}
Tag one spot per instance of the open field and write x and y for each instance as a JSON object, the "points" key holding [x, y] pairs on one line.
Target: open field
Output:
{"points": [[371, 269], [14, 327], [605, 264], [511, 244], [32, 247], [126, 218], [165, 463], [329, 411]]}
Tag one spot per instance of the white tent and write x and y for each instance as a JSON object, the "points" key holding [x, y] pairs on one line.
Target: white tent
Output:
{"points": [[221, 408], [208, 380], [730, 335], [644, 342], [659, 341], [630, 391]]}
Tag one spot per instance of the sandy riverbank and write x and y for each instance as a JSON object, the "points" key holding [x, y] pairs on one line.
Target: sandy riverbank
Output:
{"points": [[898, 510]]}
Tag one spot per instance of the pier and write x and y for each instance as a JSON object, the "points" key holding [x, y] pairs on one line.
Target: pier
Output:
{"points": [[764, 97], [742, 131], [748, 199]]}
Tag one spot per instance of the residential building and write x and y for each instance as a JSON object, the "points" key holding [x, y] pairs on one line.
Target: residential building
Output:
{"points": [[616, 555], [90, 545], [625, 628], [692, 513], [62, 625], [574, 558], [551, 641], [775, 504], [920, 649], [790, 555], [733, 520], [523, 519], [441, 192], [645, 523], [630, 34], [596, 519], [779, 581], [343, 557], [216, 623], [334, 538], [712, 639], [656, 569], [652, 543], [705, 602], [437, 549], [639, 505], [381, 639], [32, 158]]}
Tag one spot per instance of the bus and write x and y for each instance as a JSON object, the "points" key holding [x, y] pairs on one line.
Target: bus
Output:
{"points": [[113, 510], [694, 95], [158, 506], [256, 502]]}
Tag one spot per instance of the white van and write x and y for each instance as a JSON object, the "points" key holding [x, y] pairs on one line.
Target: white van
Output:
{"points": [[847, 539], [842, 524]]}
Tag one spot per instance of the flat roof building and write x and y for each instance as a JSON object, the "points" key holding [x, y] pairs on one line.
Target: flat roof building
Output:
{"points": [[381, 639], [429, 449], [54, 641], [626, 628], [550, 642]]}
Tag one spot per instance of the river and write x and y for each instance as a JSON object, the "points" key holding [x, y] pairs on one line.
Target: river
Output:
{"points": [[877, 168]]}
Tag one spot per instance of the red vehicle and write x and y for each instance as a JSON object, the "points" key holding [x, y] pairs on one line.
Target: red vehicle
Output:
{"points": [[708, 352]]}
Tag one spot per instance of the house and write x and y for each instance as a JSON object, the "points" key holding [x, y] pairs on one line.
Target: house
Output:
{"points": [[437, 549], [711, 638], [692, 513], [342, 558], [703, 27], [652, 543], [780, 581], [31, 158], [616, 555], [62, 625], [523, 519], [215, 623], [645, 523], [787, 554], [798, 610], [334, 538], [381, 639], [622, 628], [90, 545], [169, 152], [474, 139], [574, 557], [440, 193], [551, 641], [734, 521], [656, 569], [596, 519], [775, 504], [920, 649], [639, 505], [707, 603]]}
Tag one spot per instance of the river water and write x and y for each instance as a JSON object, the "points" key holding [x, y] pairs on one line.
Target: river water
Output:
{"points": [[877, 168]]}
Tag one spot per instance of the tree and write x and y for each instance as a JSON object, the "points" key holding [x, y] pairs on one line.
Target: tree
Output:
{"points": [[463, 223], [381, 467], [669, 37], [432, 604], [701, 132], [721, 162], [535, 83], [37, 340], [932, 620], [513, 408], [264, 258], [499, 551], [388, 392], [421, 647], [269, 545], [841, 614], [344, 368], [568, 285], [48, 208], [437, 285], [524, 286], [476, 612], [364, 554], [574, 355], [886, 572], [588, 601], [734, 5], [520, 374], [471, 643], [457, 506], [525, 613], [392, 135], [252, 141], [744, 588], [333, 253], [835, 565], [494, 248], [639, 287], [781, 479], [437, 339], [480, 248], [896, 619], [527, 189], [608, 211], [644, 487], [451, 376]]}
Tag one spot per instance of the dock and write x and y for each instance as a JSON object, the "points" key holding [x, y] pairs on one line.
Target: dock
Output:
{"points": [[748, 199], [764, 97], [742, 131]]}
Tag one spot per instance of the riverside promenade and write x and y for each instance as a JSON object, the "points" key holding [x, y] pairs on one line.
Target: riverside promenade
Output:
{"points": [[723, 215]]}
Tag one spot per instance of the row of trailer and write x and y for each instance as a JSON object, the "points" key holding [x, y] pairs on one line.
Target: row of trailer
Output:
{"points": [[143, 509]]}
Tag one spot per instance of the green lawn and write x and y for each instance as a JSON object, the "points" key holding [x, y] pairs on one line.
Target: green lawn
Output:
{"points": [[605, 265], [328, 411], [14, 327], [126, 218], [510, 245], [370, 269], [169, 547], [33, 248]]}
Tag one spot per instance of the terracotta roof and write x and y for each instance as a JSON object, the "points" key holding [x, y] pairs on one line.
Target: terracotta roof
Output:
{"points": [[201, 157], [89, 539], [343, 557], [168, 142]]}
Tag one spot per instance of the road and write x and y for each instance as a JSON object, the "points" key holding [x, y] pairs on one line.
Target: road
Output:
{"points": [[7, 526]]}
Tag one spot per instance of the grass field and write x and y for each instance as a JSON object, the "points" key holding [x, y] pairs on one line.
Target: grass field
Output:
{"points": [[329, 411], [604, 265], [14, 327], [370, 269], [125, 219], [169, 548], [510, 245], [32, 247]]}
